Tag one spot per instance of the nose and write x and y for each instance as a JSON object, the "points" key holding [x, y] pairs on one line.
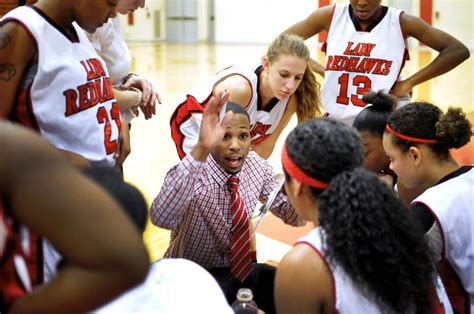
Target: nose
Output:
{"points": [[290, 84], [234, 144]]}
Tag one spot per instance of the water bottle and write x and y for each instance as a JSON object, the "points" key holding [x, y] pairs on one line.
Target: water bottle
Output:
{"points": [[244, 303]]}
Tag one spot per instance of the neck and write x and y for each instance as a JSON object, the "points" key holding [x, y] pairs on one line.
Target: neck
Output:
{"points": [[366, 23], [439, 171], [264, 91], [59, 11]]}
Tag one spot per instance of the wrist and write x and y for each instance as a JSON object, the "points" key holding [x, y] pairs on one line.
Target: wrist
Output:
{"points": [[200, 152], [127, 77], [139, 96]]}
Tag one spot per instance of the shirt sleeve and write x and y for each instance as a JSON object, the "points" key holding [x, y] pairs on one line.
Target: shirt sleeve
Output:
{"points": [[280, 207], [176, 193]]}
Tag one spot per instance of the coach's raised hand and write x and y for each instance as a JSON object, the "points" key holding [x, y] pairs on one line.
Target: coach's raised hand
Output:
{"points": [[212, 130]]}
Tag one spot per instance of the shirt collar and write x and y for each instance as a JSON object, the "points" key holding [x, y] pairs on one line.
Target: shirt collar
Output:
{"points": [[218, 173]]}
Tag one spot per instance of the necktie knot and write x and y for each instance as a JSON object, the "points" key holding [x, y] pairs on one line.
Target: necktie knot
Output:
{"points": [[233, 183]]}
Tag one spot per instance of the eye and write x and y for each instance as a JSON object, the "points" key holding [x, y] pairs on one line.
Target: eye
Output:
{"points": [[226, 136], [298, 78], [244, 136], [285, 75]]}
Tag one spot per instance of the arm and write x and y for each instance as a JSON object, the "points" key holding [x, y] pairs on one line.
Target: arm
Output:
{"points": [[265, 148], [303, 283], [315, 23], [280, 207], [177, 190], [150, 95], [16, 52], [176, 193], [127, 99], [451, 52], [124, 144], [55, 200]]}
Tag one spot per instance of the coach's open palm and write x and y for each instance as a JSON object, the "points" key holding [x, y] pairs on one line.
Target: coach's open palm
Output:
{"points": [[212, 130]]}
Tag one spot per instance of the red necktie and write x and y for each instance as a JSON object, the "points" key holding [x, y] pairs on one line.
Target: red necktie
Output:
{"points": [[240, 257]]}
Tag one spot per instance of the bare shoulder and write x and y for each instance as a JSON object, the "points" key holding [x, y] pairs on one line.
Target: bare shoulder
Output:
{"points": [[239, 89], [411, 25], [303, 282]]}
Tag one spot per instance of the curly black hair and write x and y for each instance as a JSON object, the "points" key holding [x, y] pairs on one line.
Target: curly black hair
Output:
{"points": [[374, 117], [368, 232], [426, 121], [366, 228], [331, 145]]}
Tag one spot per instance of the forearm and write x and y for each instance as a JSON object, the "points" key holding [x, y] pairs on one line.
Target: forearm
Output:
{"points": [[286, 212], [80, 289], [176, 193], [127, 99], [317, 67]]}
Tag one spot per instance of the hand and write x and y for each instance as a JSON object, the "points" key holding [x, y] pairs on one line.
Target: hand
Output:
{"points": [[402, 88], [211, 131], [150, 95], [123, 146]]}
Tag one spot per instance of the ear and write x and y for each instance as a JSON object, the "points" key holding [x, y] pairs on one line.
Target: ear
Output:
{"points": [[299, 188], [265, 63], [415, 155]]}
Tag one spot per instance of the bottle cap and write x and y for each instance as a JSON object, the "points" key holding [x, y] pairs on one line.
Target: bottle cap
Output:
{"points": [[244, 294]]}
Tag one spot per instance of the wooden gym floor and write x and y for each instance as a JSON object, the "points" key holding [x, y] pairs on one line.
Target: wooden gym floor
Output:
{"points": [[175, 68]]}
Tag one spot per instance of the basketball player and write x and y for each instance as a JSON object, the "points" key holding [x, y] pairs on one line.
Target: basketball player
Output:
{"points": [[366, 50], [53, 81], [271, 92], [109, 42], [417, 140], [364, 246], [41, 192], [370, 124]]}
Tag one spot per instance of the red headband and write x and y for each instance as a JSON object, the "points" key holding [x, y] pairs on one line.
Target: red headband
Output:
{"points": [[409, 138], [295, 172]]}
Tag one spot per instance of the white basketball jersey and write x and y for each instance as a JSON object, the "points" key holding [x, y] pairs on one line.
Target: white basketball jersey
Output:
{"points": [[347, 297], [263, 122], [452, 203], [359, 61], [69, 97]]}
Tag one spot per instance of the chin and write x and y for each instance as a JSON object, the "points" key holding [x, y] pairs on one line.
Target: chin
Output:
{"points": [[233, 170]]}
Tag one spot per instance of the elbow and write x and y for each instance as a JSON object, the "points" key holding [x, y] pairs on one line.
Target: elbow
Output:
{"points": [[135, 268], [465, 53], [461, 52]]}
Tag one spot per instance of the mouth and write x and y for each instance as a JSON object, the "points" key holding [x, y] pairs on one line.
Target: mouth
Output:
{"points": [[285, 94], [362, 14], [233, 162]]}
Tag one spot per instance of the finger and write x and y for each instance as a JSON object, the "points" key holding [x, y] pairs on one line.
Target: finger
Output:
{"points": [[147, 92], [217, 101], [227, 118], [158, 97], [117, 149]]}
